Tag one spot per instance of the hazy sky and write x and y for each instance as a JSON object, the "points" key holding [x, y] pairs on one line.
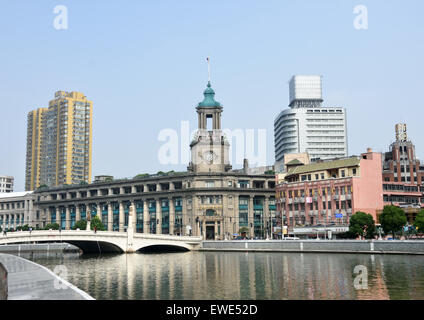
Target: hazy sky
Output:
{"points": [[143, 64]]}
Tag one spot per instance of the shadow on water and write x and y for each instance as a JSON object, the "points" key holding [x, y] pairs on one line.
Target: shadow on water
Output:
{"points": [[162, 249]]}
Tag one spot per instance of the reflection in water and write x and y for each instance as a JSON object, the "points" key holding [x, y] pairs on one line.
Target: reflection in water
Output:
{"points": [[234, 275]]}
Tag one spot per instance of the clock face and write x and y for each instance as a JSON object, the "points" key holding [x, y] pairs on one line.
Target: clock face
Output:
{"points": [[209, 156]]}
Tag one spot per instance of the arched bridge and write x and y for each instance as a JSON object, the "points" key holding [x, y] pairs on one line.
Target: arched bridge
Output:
{"points": [[105, 241]]}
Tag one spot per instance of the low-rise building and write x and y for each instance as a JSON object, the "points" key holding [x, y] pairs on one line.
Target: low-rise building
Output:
{"points": [[6, 184], [327, 193], [17, 209]]}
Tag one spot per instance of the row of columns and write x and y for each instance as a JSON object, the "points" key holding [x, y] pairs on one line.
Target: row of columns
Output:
{"points": [[146, 215], [15, 216]]}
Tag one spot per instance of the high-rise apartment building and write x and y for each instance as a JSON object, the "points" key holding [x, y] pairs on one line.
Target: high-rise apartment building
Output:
{"points": [[60, 142], [6, 184], [33, 153], [306, 126]]}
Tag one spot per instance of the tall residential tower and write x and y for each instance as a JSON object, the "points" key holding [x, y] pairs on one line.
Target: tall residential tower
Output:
{"points": [[59, 142], [306, 126]]}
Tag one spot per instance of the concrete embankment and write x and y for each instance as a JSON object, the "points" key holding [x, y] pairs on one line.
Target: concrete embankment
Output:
{"points": [[27, 280], [319, 246], [39, 248]]}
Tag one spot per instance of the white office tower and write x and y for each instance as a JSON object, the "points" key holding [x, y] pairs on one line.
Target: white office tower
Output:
{"points": [[306, 126]]}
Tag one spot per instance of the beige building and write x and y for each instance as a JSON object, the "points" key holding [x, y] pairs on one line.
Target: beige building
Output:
{"points": [[59, 142], [209, 199]]}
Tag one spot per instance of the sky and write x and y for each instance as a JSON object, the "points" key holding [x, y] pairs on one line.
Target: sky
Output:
{"points": [[143, 64]]}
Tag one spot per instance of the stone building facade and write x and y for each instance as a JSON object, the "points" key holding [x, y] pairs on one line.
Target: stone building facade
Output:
{"points": [[17, 209], [209, 199]]}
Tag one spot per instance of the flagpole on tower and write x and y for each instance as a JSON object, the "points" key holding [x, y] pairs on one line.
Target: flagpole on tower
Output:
{"points": [[209, 69]]}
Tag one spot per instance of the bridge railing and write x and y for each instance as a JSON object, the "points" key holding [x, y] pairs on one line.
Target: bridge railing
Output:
{"points": [[64, 233]]}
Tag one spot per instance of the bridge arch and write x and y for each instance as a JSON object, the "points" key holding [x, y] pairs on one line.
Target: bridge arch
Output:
{"points": [[91, 246]]}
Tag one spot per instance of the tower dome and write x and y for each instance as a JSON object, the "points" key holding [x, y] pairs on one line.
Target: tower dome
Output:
{"points": [[209, 100]]}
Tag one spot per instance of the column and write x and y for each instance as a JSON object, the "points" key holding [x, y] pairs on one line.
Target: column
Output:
{"points": [[99, 211], [251, 219], [121, 216], [109, 217], [134, 217], [158, 217], [133, 189], [68, 219], [171, 215], [58, 217], [184, 219], [216, 230], [146, 226], [267, 218], [77, 213], [47, 216]]}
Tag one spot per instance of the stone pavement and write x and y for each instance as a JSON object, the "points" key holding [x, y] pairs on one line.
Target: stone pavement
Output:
{"points": [[30, 281]]}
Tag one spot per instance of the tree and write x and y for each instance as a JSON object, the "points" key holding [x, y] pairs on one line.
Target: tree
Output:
{"points": [[81, 224], [141, 175], [419, 221], [392, 219], [53, 226], [243, 230], [362, 224], [96, 222]]}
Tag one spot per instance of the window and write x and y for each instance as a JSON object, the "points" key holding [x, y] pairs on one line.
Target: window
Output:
{"points": [[354, 172], [343, 174], [210, 184]]}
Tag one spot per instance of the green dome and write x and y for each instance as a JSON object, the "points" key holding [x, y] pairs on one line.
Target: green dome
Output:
{"points": [[209, 100]]}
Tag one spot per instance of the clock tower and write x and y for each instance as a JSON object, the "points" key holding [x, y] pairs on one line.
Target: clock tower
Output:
{"points": [[209, 148]]}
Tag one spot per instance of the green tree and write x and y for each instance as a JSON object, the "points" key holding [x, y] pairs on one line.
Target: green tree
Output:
{"points": [[53, 226], [392, 219], [142, 175], [96, 222], [362, 224], [81, 224], [243, 230], [419, 221]]}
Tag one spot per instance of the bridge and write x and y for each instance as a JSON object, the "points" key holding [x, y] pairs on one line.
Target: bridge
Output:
{"points": [[105, 241]]}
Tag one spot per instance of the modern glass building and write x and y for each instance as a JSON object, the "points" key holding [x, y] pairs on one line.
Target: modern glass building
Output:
{"points": [[306, 126]]}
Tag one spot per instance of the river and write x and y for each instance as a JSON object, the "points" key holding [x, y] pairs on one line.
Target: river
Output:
{"points": [[237, 275]]}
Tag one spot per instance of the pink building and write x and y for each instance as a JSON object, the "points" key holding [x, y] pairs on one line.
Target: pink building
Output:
{"points": [[329, 192]]}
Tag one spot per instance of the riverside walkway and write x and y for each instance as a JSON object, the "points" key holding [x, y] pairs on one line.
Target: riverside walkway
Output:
{"points": [[30, 281]]}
